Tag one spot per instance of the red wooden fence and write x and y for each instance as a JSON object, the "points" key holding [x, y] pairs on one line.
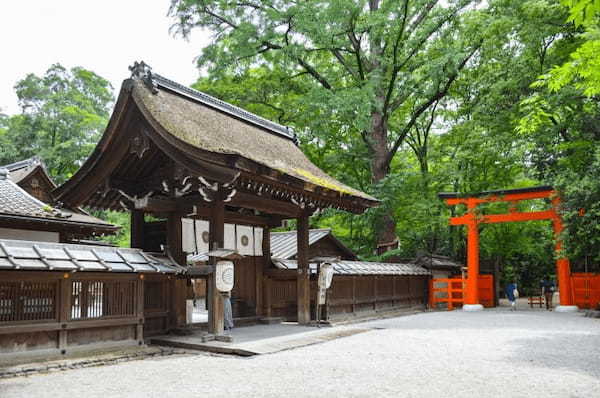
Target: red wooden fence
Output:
{"points": [[586, 289], [451, 290]]}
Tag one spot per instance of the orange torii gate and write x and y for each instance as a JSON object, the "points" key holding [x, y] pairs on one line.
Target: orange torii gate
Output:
{"points": [[472, 220]]}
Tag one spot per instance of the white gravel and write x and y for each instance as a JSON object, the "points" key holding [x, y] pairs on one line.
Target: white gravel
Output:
{"points": [[443, 354]]}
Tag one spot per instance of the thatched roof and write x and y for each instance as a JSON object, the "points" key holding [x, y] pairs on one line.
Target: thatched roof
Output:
{"points": [[198, 119], [161, 131]]}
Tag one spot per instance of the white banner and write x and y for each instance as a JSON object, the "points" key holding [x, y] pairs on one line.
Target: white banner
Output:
{"points": [[229, 242], [202, 236], [245, 240], [188, 242], [258, 241]]}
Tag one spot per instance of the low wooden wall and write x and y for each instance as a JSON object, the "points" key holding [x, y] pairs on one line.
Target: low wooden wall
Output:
{"points": [[348, 297], [158, 303], [54, 313], [357, 296], [280, 297]]}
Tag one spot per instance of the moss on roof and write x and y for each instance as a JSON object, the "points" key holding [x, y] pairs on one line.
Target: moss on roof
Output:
{"points": [[208, 129]]}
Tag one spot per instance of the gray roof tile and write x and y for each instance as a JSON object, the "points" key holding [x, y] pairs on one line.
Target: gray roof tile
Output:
{"points": [[26, 255]]}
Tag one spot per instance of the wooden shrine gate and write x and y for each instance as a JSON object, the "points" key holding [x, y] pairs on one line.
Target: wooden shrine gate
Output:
{"points": [[475, 216], [451, 292], [586, 290]]}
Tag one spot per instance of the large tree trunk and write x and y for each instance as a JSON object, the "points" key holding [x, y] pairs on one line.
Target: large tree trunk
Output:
{"points": [[386, 228]]}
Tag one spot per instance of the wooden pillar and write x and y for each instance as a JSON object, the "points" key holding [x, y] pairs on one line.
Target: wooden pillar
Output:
{"points": [[375, 293], [303, 277], [139, 333], [261, 265], [64, 311], [268, 285], [354, 293], [216, 315], [472, 293], [471, 300], [179, 288], [137, 229], [563, 266]]}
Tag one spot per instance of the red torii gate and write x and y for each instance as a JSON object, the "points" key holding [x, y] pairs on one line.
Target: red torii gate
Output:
{"points": [[472, 220]]}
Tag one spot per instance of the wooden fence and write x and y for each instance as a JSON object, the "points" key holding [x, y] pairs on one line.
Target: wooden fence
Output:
{"points": [[448, 292], [349, 295], [586, 290], [53, 313]]}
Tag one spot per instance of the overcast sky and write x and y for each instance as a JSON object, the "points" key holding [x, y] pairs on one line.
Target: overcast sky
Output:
{"points": [[103, 36]]}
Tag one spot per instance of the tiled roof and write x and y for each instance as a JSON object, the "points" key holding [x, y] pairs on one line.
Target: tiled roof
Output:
{"points": [[40, 256], [284, 245], [21, 169], [362, 268], [436, 261], [15, 201]]}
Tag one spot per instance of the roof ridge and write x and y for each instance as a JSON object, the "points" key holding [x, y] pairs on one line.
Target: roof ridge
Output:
{"points": [[34, 160], [295, 231], [142, 71]]}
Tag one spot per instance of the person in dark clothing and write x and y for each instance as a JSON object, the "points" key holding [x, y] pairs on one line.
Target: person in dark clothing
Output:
{"points": [[547, 286], [510, 290]]}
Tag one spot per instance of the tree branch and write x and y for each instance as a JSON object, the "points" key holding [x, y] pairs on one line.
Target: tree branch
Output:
{"points": [[441, 93]]}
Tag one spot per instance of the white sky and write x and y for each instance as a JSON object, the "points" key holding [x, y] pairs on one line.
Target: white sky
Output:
{"points": [[103, 36]]}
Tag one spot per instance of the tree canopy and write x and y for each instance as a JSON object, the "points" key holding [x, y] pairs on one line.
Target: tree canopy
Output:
{"points": [[402, 99], [63, 114]]}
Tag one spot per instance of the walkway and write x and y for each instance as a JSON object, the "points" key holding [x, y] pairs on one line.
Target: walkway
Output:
{"points": [[443, 354]]}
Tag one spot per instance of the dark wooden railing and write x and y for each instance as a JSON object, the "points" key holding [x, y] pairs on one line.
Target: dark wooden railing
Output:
{"points": [[54, 311], [349, 295]]}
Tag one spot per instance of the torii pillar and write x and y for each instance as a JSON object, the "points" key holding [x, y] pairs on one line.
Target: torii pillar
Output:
{"points": [[563, 266], [471, 299], [472, 220]]}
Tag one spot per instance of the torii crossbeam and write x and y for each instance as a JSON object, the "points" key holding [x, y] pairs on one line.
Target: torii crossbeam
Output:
{"points": [[473, 218]]}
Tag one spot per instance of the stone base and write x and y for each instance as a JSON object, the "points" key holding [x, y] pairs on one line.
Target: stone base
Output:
{"points": [[566, 308], [472, 307]]}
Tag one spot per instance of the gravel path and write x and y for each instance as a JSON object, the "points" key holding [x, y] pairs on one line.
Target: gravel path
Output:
{"points": [[445, 354]]}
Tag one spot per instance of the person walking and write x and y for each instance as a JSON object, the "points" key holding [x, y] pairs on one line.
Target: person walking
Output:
{"points": [[227, 312], [548, 291], [512, 294]]}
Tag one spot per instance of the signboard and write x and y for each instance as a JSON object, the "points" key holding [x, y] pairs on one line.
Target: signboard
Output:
{"points": [[324, 282], [325, 276], [224, 276]]}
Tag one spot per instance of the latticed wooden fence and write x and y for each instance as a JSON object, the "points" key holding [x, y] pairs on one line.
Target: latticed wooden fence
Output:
{"points": [[349, 295], [56, 311]]}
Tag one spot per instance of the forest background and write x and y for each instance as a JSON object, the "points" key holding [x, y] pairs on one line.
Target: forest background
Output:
{"points": [[401, 99]]}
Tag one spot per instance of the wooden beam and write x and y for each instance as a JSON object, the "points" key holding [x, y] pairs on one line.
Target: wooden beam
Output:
{"points": [[303, 277], [216, 315], [178, 292], [137, 229], [265, 205], [503, 198], [508, 217], [231, 217]]}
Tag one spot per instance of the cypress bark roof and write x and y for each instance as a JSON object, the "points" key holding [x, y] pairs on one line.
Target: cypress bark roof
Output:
{"points": [[163, 131], [188, 115]]}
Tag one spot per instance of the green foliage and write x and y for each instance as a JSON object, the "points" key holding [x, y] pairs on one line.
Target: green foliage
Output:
{"points": [[581, 209], [122, 219], [62, 116]]}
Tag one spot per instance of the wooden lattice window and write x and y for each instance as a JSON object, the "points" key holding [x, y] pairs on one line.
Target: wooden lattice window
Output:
{"points": [[155, 296], [28, 301], [102, 299]]}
